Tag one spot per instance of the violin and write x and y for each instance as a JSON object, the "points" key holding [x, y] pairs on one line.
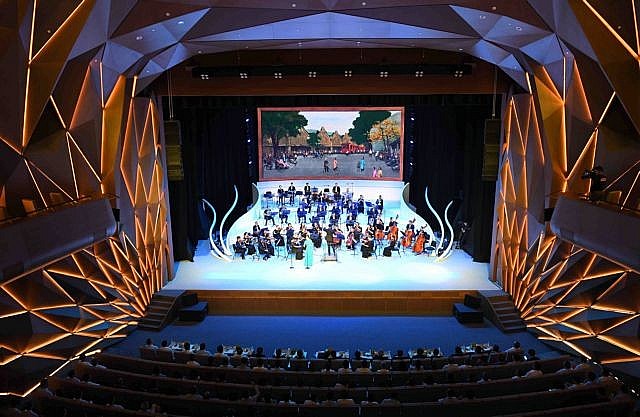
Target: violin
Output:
{"points": [[418, 247]]}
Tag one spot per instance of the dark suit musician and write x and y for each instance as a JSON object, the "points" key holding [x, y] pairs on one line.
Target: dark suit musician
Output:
{"points": [[329, 238], [280, 195], [366, 247], [266, 247], [307, 190], [256, 229], [336, 190], [240, 247], [268, 216], [292, 193], [302, 214], [380, 203], [284, 214]]}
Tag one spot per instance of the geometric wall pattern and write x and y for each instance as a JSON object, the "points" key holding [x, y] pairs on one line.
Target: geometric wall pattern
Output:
{"points": [[579, 114], [71, 129]]}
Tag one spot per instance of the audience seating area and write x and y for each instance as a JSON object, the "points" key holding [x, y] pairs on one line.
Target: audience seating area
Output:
{"points": [[149, 387]]}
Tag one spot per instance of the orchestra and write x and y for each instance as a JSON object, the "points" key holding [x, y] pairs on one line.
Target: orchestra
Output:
{"points": [[343, 210]]}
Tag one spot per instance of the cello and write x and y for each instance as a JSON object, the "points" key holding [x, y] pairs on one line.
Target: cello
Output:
{"points": [[418, 247], [393, 230], [407, 239]]}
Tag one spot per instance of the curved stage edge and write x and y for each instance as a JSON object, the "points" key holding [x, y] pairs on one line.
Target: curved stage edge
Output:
{"points": [[405, 284]]}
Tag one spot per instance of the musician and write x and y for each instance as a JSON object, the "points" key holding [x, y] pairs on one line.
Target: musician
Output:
{"points": [[380, 203], [367, 246], [239, 247], [411, 226], [284, 214], [350, 220], [379, 229], [393, 241], [280, 195], [302, 214], [357, 231], [336, 191], [338, 236], [307, 190], [361, 204], [292, 193], [266, 247], [256, 229], [334, 218], [268, 216], [289, 232], [249, 242], [329, 239], [277, 236], [350, 242]]}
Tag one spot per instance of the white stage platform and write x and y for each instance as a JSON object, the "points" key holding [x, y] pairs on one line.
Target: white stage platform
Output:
{"points": [[409, 272]]}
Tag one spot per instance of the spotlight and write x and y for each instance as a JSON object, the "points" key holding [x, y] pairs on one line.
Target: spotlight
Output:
{"points": [[458, 73], [244, 75], [412, 118], [248, 140], [250, 162], [204, 76], [419, 74], [384, 74], [312, 74], [411, 142], [139, 37], [348, 73], [277, 75], [247, 120]]}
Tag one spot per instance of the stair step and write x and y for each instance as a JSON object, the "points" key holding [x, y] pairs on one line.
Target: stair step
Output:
{"points": [[500, 304], [155, 315], [509, 316], [161, 303], [512, 322], [148, 320], [157, 308], [503, 310]]}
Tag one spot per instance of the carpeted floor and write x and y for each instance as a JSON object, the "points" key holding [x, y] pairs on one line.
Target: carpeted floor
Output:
{"points": [[314, 333]]}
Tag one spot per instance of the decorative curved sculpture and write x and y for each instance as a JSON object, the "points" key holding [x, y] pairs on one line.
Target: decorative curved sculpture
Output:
{"points": [[447, 251], [218, 254], [435, 213], [225, 248]]}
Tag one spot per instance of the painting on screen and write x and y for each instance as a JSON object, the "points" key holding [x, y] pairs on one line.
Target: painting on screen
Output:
{"points": [[340, 143]]}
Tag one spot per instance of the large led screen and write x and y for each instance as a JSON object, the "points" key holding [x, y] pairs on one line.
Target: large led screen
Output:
{"points": [[340, 143]]}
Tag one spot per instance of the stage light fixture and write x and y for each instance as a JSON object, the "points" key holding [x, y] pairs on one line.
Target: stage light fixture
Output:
{"points": [[419, 74], [204, 76], [139, 37], [384, 74], [247, 120], [277, 75], [312, 74]]}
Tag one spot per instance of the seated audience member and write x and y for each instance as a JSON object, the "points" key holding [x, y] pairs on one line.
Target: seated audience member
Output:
{"points": [[584, 364], [192, 361], [345, 367], [219, 352], [238, 352], [419, 353], [186, 346], [458, 352], [164, 345], [149, 344], [515, 352], [384, 368], [96, 364], [328, 369], [364, 367], [259, 367], [328, 401], [520, 374], [536, 371], [606, 377], [202, 351], [531, 355], [592, 378], [566, 367], [244, 363], [259, 353], [278, 353]]}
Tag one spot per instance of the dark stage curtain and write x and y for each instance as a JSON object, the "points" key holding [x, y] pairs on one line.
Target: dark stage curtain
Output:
{"points": [[447, 155], [215, 157], [447, 158]]}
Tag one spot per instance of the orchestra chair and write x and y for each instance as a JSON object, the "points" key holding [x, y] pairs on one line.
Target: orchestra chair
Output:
{"points": [[397, 249], [268, 196]]}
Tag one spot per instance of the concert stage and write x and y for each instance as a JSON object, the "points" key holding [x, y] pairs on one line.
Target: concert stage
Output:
{"points": [[405, 283]]}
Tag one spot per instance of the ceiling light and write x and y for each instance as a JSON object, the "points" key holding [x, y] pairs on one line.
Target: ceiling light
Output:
{"points": [[460, 49], [384, 74], [204, 76], [419, 74], [494, 8], [293, 5], [199, 51], [153, 29], [244, 75], [348, 73], [167, 14], [482, 17], [358, 43], [364, 3], [518, 28], [139, 37], [299, 43], [277, 75], [181, 22], [312, 74]]}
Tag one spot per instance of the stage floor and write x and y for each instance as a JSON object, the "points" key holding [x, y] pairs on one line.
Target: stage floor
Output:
{"points": [[351, 273]]}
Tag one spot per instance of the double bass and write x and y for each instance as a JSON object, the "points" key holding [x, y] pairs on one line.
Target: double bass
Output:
{"points": [[393, 230], [418, 247], [408, 238]]}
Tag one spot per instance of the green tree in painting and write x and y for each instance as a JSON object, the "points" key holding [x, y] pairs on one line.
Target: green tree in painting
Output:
{"points": [[364, 122], [313, 140], [280, 124]]}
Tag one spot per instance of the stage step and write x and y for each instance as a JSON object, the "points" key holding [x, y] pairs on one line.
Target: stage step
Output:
{"points": [[162, 309], [500, 309]]}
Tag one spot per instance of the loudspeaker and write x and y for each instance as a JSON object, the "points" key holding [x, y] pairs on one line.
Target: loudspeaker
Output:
{"points": [[173, 145], [490, 152]]}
